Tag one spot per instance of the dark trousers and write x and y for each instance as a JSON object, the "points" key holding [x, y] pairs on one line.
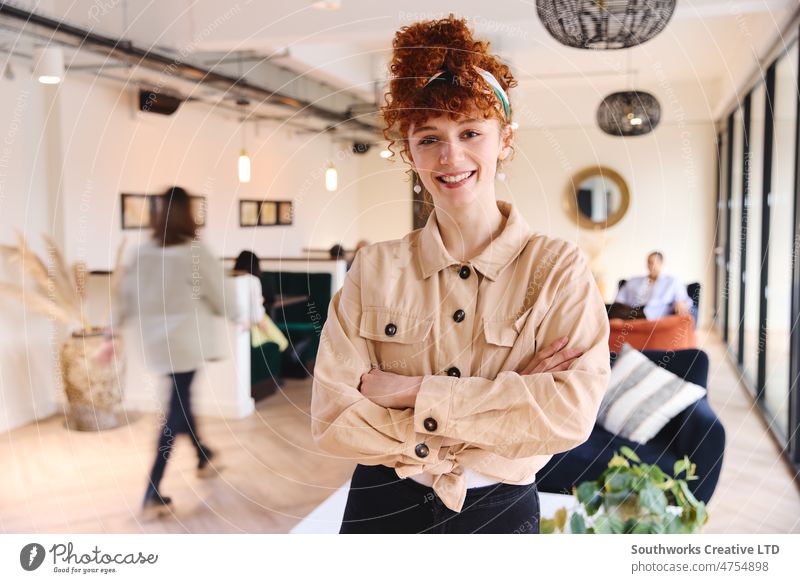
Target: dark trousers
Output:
{"points": [[179, 420], [380, 502]]}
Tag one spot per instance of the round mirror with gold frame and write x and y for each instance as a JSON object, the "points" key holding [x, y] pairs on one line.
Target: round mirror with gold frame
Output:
{"points": [[597, 198]]}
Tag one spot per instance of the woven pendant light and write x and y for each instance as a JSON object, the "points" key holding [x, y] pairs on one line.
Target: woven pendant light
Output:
{"points": [[629, 113], [604, 24]]}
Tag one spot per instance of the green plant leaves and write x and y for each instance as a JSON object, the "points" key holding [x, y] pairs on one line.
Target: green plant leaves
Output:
{"points": [[630, 454], [560, 518], [609, 524], [547, 526], [635, 498], [653, 499], [576, 524], [588, 494]]}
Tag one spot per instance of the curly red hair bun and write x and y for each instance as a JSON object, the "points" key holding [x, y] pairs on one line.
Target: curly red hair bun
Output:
{"points": [[425, 48]]}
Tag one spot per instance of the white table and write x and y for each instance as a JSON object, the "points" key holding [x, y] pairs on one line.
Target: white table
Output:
{"points": [[327, 517]]}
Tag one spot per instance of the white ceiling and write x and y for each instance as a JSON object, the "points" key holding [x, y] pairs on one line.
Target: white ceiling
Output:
{"points": [[709, 48]]}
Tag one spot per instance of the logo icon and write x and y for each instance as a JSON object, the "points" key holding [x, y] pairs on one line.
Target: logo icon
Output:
{"points": [[31, 556]]}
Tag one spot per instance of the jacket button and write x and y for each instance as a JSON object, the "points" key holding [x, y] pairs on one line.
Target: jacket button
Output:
{"points": [[430, 424], [422, 450], [459, 316], [391, 329], [453, 372], [464, 272]]}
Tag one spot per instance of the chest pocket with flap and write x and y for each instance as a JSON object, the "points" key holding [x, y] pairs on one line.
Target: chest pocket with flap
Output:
{"points": [[509, 343], [395, 337], [505, 332], [383, 325]]}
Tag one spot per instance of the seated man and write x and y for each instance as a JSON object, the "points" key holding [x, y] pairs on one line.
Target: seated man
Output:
{"points": [[661, 295]]}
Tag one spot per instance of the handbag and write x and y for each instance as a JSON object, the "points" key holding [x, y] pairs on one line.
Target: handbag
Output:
{"points": [[266, 331]]}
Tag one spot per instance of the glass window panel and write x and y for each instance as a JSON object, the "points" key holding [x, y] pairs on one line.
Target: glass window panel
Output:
{"points": [[781, 246], [722, 221], [752, 288], [734, 263]]}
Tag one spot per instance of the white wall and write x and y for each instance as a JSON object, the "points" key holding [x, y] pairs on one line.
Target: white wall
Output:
{"points": [[28, 343], [384, 195]]}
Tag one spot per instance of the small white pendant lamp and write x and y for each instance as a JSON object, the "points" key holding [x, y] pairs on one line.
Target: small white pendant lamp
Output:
{"points": [[244, 166], [331, 178]]}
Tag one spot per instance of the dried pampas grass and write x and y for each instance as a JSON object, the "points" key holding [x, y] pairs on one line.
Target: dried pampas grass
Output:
{"points": [[59, 289]]}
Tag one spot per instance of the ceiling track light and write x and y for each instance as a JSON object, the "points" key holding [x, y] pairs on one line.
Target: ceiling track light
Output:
{"points": [[48, 66]]}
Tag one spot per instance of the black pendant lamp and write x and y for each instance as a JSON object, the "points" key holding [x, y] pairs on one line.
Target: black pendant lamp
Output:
{"points": [[629, 113], [604, 24]]}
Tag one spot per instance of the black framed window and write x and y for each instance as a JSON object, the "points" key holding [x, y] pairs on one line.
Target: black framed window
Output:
{"points": [[757, 304], [735, 233], [752, 338]]}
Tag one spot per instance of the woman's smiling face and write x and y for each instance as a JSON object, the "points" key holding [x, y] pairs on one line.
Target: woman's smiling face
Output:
{"points": [[457, 159]]}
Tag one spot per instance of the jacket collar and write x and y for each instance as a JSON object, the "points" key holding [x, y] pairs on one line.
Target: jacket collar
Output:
{"points": [[433, 256]]}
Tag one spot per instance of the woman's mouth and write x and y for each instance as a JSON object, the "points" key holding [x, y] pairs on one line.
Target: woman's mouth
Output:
{"points": [[455, 180]]}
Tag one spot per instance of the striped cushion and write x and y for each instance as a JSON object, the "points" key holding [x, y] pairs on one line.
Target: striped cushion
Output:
{"points": [[642, 397]]}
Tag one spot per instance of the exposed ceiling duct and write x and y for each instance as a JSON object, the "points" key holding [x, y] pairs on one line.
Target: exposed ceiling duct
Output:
{"points": [[298, 98]]}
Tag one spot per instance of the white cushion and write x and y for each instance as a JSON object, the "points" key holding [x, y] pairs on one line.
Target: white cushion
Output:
{"points": [[642, 397]]}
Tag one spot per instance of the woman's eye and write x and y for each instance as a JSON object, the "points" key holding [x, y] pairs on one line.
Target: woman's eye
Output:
{"points": [[471, 134], [426, 141]]}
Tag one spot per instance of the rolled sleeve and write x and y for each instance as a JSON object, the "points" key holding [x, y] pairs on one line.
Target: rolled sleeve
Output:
{"points": [[517, 415]]}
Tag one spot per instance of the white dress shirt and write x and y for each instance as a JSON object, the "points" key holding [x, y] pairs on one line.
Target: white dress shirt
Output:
{"points": [[657, 298]]}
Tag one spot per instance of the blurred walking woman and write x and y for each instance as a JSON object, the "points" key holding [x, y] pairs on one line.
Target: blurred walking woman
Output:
{"points": [[174, 285], [457, 360]]}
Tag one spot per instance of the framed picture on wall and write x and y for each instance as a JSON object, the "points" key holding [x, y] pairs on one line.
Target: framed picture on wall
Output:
{"points": [[285, 212], [248, 213], [265, 213], [269, 213], [137, 211]]}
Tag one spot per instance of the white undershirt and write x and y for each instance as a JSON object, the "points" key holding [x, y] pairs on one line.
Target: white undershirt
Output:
{"points": [[474, 479]]}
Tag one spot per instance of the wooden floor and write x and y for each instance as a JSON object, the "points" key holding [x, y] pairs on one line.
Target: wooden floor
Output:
{"points": [[55, 480], [756, 491]]}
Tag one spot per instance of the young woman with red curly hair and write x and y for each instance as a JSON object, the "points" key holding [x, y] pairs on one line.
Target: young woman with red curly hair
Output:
{"points": [[455, 362]]}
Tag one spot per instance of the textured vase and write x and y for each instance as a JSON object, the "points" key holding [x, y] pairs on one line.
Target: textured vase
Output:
{"points": [[93, 388]]}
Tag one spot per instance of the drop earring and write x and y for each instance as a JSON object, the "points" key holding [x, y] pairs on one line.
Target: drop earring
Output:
{"points": [[417, 188], [501, 176]]}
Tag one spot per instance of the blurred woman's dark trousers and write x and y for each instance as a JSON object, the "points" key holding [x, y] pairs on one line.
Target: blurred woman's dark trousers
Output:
{"points": [[179, 420], [380, 502]]}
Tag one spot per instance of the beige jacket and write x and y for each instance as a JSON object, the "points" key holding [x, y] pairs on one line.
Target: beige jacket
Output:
{"points": [[400, 310]]}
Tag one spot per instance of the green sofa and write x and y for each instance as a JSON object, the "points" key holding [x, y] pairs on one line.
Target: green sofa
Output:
{"points": [[301, 322]]}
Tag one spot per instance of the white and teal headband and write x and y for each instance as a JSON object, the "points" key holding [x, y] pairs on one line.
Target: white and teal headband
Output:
{"points": [[502, 96]]}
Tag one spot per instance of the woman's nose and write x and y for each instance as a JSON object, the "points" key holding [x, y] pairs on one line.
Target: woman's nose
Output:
{"points": [[450, 153]]}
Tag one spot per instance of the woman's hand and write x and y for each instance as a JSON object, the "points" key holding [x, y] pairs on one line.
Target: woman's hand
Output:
{"points": [[390, 390], [554, 358]]}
